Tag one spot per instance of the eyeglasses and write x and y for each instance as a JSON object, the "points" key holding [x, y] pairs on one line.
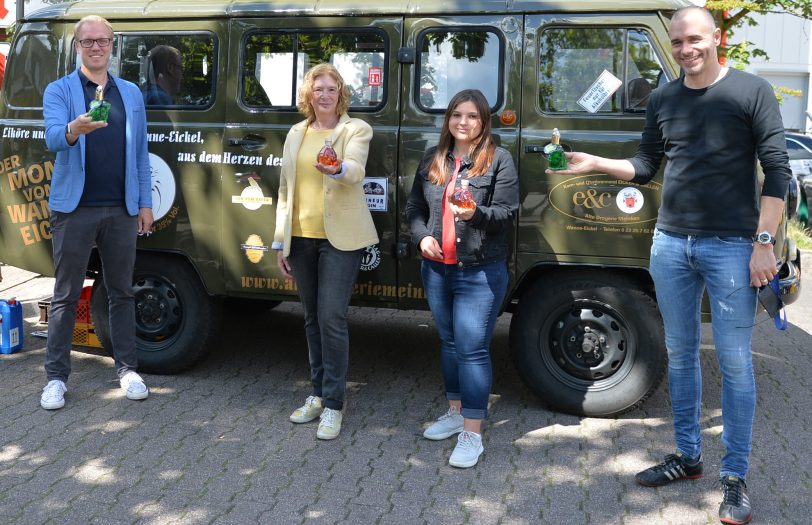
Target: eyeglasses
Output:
{"points": [[88, 42]]}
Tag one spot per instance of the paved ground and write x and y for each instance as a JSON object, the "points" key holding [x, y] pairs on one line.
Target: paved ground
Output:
{"points": [[214, 445]]}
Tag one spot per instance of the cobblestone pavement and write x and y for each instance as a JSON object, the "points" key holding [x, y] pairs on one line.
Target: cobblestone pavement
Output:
{"points": [[214, 445]]}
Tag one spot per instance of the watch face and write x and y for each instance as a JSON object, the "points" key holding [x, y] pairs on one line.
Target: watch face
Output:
{"points": [[764, 238]]}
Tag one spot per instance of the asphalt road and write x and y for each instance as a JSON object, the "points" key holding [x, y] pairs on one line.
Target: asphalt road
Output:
{"points": [[214, 445]]}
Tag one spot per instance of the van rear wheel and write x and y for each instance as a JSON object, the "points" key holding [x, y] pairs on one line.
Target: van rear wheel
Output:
{"points": [[175, 319], [588, 344]]}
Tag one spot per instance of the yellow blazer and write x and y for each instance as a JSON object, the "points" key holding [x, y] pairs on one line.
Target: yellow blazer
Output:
{"points": [[347, 220]]}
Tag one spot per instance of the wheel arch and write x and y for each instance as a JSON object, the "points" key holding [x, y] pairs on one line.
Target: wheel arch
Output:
{"points": [[634, 275]]}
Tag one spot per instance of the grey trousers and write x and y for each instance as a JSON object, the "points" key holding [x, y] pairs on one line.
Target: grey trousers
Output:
{"points": [[325, 277], [74, 234]]}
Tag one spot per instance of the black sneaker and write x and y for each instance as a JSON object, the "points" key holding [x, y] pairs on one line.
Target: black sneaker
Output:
{"points": [[673, 468], [735, 508]]}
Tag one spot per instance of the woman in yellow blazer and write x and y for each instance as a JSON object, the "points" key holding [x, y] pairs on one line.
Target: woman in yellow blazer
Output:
{"points": [[322, 227]]}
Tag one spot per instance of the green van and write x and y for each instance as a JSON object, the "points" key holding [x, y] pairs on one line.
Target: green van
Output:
{"points": [[586, 335]]}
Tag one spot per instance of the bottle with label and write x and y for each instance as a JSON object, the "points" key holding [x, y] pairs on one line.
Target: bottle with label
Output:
{"points": [[555, 153], [327, 155], [462, 197], [99, 108]]}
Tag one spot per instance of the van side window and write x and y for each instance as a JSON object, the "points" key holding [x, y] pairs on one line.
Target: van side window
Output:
{"points": [[274, 65], [172, 70], [571, 59], [453, 60], [33, 66]]}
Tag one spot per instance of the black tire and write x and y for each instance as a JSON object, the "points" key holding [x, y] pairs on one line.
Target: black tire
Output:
{"points": [[588, 344], [175, 319]]}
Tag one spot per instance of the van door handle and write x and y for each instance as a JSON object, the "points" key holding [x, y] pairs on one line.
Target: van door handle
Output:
{"points": [[533, 148], [249, 142]]}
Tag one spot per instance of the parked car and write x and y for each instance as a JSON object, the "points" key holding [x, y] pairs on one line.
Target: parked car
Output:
{"points": [[799, 147]]}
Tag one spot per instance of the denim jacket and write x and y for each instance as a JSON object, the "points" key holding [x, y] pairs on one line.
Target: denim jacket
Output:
{"points": [[482, 238]]}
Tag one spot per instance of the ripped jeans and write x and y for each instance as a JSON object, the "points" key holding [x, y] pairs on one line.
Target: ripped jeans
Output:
{"points": [[682, 267]]}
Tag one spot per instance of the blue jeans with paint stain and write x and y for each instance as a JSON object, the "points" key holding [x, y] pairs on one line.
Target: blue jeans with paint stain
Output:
{"points": [[682, 267], [465, 303]]}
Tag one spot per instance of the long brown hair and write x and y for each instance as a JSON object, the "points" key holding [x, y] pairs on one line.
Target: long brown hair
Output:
{"points": [[482, 149]]}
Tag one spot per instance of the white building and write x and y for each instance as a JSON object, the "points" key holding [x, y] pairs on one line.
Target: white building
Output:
{"points": [[787, 40], [788, 43]]}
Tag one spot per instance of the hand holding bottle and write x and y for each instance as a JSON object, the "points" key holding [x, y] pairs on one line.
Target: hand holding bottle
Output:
{"points": [[462, 202], [82, 125], [327, 160], [578, 163]]}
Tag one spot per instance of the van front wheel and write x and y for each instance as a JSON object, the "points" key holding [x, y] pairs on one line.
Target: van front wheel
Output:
{"points": [[588, 344], [175, 319]]}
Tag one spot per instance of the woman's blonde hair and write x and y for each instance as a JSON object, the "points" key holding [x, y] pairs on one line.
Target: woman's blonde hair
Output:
{"points": [[306, 90]]}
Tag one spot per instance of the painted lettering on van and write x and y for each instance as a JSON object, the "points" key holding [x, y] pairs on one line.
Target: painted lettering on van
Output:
{"points": [[12, 132], [229, 158], [33, 183], [369, 288]]}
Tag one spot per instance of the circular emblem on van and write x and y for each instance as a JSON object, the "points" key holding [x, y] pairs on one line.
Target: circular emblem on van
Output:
{"points": [[254, 248], [629, 200], [371, 258], [163, 186]]}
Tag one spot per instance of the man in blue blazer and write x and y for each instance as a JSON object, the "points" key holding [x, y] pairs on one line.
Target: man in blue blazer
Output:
{"points": [[100, 195]]}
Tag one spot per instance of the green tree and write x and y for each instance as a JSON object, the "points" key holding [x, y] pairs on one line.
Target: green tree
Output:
{"points": [[731, 14]]}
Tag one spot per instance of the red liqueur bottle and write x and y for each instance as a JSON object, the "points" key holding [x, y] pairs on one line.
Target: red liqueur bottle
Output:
{"points": [[462, 197], [327, 155]]}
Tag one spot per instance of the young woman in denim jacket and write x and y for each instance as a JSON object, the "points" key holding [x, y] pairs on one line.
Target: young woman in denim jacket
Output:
{"points": [[464, 260]]}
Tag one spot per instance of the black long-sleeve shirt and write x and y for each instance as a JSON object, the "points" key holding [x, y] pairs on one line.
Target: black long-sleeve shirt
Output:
{"points": [[711, 138]]}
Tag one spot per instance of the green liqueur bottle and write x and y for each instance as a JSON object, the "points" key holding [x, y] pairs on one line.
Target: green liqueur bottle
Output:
{"points": [[99, 108], [555, 153]]}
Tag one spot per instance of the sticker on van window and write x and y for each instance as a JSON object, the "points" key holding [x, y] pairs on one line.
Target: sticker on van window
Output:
{"points": [[375, 191], [600, 91], [375, 77]]}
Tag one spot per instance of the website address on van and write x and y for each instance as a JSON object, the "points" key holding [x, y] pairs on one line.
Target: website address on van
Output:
{"points": [[366, 289]]}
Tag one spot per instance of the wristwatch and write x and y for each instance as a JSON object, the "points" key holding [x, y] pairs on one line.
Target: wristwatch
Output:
{"points": [[764, 238]]}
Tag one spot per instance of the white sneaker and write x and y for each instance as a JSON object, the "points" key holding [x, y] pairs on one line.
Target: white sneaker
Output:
{"points": [[446, 426], [307, 412], [53, 395], [134, 386], [330, 424], [469, 448]]}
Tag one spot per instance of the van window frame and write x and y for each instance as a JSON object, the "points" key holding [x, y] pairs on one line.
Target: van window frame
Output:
{"points": [[242, 72], [625, 111], [175, 107], [500, 86], [14, 70]]}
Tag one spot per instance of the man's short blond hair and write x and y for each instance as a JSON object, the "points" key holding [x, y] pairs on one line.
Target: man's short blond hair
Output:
{"points": [[91, 19]]}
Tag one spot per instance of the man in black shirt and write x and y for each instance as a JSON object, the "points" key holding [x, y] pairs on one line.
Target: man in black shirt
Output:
{"points": [[710, 124]]}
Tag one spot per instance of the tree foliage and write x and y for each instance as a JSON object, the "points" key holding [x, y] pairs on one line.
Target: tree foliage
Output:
{"points": [[730, 14]]}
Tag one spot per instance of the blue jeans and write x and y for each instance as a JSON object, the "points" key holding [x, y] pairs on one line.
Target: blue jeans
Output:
{"points": [[464, 303], [682, 266], [325, 277]]}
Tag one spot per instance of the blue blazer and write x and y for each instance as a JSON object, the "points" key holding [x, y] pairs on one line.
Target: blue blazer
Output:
{"points": [[64, 100]]}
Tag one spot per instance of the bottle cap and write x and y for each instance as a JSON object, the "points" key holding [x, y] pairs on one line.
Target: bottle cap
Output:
{"points": [[556, 136]]}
